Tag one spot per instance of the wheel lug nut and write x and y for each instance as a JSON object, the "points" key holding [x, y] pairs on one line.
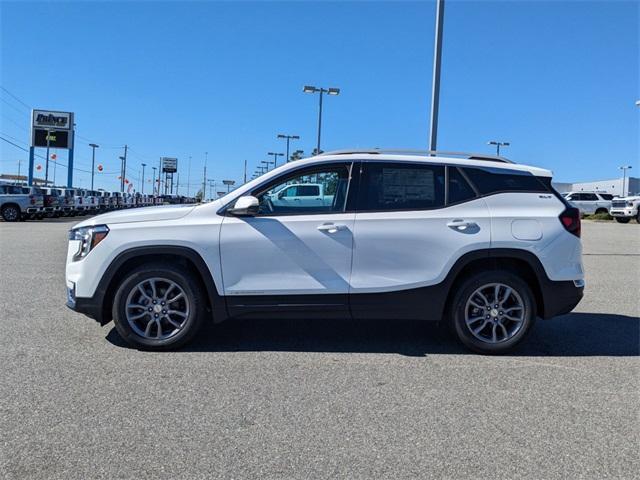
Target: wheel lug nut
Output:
{"points": [[164, 311], [150, 309], [488, 316], [161, 303], [500, 313], [154, 302], [155, 315]]}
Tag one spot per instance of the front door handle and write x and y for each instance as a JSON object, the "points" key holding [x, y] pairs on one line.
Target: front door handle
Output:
{"points": [[461, 225], [331, 227]]}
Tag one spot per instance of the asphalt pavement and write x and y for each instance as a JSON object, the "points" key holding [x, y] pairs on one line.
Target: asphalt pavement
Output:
{"points": [[317, 399]]}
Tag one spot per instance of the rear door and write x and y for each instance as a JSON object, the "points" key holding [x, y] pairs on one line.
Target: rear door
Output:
{"points": [[413, 221]]}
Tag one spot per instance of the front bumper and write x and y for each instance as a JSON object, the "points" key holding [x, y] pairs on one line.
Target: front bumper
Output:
{"points": [[622, 212], [87, 306]]}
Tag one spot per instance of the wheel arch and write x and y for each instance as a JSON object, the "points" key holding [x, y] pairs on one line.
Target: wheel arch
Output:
{"points": [[520, 262], [130, 259], [11, 204]]}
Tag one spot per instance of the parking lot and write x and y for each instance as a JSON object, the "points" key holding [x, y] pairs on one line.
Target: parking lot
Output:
{"points": [[309, 399]]}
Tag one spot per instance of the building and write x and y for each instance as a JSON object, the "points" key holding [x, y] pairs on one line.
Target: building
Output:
{"points": [[614, 186]]}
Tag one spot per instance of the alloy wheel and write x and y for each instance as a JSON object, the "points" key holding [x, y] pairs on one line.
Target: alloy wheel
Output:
{"points": [[494, 313], [157, 308]]}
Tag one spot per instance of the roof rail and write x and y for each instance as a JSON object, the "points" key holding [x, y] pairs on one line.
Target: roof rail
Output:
{"points": [[467, 155]]}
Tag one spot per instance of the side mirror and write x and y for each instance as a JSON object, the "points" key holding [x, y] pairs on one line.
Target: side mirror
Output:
{"points": [[245, 207]]}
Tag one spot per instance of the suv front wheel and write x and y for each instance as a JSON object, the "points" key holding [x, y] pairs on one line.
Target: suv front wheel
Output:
{"points": [[158, 307], [492, 311]]}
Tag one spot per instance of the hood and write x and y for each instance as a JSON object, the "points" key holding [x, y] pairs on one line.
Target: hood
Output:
{"points": [[144, 214]]}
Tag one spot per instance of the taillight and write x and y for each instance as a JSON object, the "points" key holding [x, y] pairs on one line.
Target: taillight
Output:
{"points": [[570, 220]]}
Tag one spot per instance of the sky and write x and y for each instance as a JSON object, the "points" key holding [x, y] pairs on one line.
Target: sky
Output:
{"points": [[558, 80]]}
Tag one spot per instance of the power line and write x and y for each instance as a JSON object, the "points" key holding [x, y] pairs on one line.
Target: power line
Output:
{"points": [[15, 98]]}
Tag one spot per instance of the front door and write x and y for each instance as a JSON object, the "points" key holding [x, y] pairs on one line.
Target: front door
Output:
{"points": [[291, 257]]}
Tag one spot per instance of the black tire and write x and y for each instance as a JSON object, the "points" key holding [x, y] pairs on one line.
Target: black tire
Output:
{"points": [[459, 306], [623, 219], [638, 216], [11, 213], [172, 273], [601, 210]]}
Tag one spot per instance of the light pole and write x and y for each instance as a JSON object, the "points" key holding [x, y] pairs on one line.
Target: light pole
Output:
{"points": [[46, 168], [267, 163], [624, 169], [498, 145], [93, 161], [288, 137], [275, 158], [435, 84], [212, 186], [153, 180], [122, 166], [321, 91], [142, 186]]}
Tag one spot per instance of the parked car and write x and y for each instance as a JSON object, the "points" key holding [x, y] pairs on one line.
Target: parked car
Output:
{"points": [[302, 194], [19, 203], [590, 202], [624, 209], [480, 243], [70, 201], [53, 202]]}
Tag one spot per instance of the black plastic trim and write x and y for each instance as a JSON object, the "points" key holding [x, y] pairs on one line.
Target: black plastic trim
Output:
{"points": [[95, 307]]}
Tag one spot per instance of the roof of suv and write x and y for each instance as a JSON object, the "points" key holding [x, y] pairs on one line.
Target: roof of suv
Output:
{"points": [[450, 158]]}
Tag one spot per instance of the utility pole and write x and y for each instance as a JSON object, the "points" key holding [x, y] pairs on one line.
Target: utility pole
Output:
{"points": [[435, 84], [204, 178], [177, 182], [212, 186], [93, 162], [20, 161], [142, 186], [124, 169], [245, 171], [189, 176]]}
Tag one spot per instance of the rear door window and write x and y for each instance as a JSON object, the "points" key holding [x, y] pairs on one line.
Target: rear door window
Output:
{"points": [[606, 196], [401, 186]]}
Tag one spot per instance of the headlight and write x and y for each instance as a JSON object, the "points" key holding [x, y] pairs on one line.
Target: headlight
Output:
{"points": [[629, 204], [89, 238]]}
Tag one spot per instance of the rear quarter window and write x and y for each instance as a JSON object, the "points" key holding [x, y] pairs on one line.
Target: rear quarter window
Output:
{"points": [[496, 180]]}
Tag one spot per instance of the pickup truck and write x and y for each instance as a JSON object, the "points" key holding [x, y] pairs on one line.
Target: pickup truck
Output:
{"points": [[18, 203], [624, 209], [590, 202], [302, 194]]}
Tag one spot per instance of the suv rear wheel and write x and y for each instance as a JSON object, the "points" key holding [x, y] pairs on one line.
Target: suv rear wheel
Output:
{"points": [[492, 311], [158, 307]]}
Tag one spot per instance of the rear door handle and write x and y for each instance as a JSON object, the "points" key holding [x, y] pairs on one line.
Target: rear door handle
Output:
{"points": [[331, 227], [461, 225]]}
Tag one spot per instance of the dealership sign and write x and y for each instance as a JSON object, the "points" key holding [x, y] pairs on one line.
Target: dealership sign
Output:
{"points": [[169, 165], [51, 128]]}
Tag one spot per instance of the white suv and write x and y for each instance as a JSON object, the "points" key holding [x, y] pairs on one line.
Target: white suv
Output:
{"points": [[590, 202], [479, 242]]}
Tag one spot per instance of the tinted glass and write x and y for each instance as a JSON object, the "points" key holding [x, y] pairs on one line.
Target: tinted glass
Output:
{"points": [[2, 190], [606, 196], [397, 186], [299, 193], [493, 180], [459, 188], [588, 196], [308, 190]]}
